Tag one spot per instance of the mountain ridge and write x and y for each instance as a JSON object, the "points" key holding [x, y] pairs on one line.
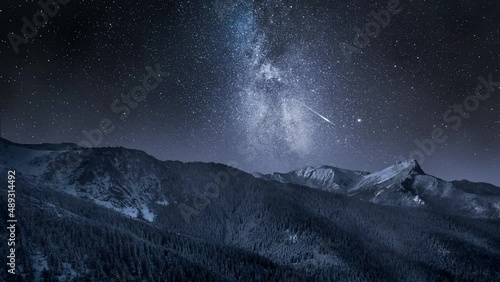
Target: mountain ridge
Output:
{"points": [[115, 208], [402, 184], [130, 180]]}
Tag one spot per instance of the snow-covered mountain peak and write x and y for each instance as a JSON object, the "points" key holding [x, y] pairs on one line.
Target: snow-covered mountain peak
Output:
{"points": [[394, 174], [402, 184], [318, 173], [323, 172], [326, 178], [411, 166]]}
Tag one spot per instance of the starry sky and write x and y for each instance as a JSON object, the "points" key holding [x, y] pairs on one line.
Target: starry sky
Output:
{"points": [[262, 85]]}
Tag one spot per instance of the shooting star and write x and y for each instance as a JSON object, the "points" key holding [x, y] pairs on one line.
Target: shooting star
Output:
{"points": [[324, 118]]}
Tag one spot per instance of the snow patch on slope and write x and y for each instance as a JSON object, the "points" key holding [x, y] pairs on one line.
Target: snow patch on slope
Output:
{"points": [[39, 263], [147, 214]]}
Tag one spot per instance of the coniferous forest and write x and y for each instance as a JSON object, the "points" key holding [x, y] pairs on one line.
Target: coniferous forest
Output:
{"points": [[247, 229]]}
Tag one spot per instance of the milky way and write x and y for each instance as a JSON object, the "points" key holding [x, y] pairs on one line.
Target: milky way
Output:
{"points": [[264, 85], [277, 127]]}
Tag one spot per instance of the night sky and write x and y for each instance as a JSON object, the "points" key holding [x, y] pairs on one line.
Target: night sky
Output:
{"points": [[262, 85]]}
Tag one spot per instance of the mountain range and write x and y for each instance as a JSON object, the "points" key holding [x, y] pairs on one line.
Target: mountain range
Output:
{"points": [[403, 184], [116, 214]]}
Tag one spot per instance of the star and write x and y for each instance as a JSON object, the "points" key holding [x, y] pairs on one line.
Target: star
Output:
{"points": [[237, 69]]}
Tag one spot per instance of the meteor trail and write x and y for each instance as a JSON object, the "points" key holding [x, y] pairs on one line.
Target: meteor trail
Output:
{"points": [[324, 118]]}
